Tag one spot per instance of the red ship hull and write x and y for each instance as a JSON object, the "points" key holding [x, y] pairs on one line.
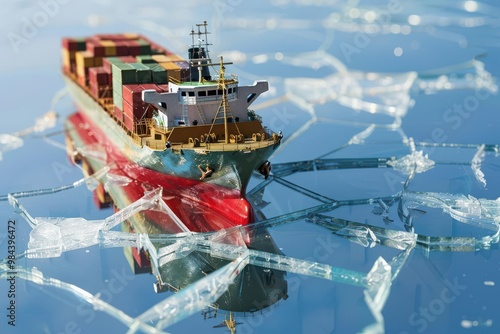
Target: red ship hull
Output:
{"points": [[201, 206]]}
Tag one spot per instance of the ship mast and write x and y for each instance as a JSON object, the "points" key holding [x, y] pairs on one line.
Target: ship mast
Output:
{"points": [[224, 111], [198, 53]]}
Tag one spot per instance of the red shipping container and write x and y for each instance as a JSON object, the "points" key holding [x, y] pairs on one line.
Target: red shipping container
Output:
{"points": [[121, 49], [138, 110], [153, 86], [100, 91], [128, 59], [99, 75], [163, 88], [128, 122], [132, 93], [119, 114], [94, 88], [73, 44], [95, 48], [158, 88], [149, 86], [134, 48]]}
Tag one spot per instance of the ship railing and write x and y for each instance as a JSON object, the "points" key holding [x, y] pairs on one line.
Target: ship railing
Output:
{"points": [[160, 128], [228, 77], [223, 147], [248, 146]]}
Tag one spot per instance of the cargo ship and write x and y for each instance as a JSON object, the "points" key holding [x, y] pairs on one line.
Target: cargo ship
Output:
{"points": [[182, 118]]}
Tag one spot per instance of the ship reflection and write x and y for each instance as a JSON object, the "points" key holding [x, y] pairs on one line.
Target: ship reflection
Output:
{"points": [[199, 206]]}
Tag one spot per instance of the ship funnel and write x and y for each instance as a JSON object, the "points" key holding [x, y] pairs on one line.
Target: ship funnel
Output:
{"points": [[198, 59]]}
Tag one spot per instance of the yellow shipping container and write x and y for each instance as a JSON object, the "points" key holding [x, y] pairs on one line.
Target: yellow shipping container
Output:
{"points": [[166, 59], [84, 60], [97, 61], [109, 48], [66, 58], [173, 71]]}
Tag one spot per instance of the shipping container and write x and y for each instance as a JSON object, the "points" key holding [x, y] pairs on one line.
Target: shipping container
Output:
{"points": [[74, 44], [118, 113], [128, 122], [117, 98], [157, 88], [162, 88], [121, 48], [109, 48], [132, 93], [137, 110], [95, 48], [145, 59], [145, 46], [124, 73], [166, 58], [173, 71], [158, 74], [68, 59], [143, 73], [99, 75], [100, 91]]}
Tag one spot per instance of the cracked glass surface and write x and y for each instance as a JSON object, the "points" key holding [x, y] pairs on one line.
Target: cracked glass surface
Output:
{"points": [[381, 213]]}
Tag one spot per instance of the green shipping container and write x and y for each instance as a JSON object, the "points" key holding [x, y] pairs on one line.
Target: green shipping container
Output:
{"points": [[81, 44], [145, 47], [143, 73], [158, 74], [117, 85], [145, 59], [117, 99], [124, 73]]}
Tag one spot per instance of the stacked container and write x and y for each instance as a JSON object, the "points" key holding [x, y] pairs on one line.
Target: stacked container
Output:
{"points": [[121, 66]]}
